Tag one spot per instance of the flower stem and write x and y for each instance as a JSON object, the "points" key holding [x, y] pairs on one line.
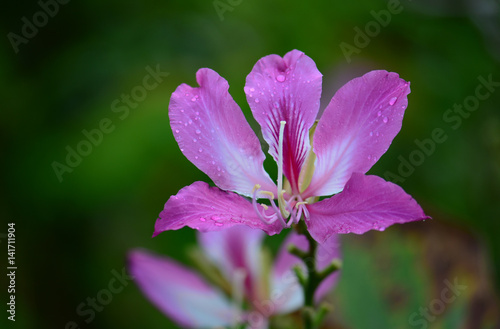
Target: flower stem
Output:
{"points": [[310, 282]]}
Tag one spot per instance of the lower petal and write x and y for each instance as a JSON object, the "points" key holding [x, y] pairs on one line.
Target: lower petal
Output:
{"points": [[237, 249], [206, 208], [366, 203], [180, 293]]}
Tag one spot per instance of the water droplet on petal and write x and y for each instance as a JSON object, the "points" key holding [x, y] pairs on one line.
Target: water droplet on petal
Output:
{"points": [[252, 89], [202, 219], [385, 119], [379, 113], [371, 133], [193, 99], [369, 157], [218, 168], [190, 121], [257, 100], [194, 140], [393, 100], [280, 78], [198, 131], [215, 218], [177, 131], [213, 162], [200, 150], [219, 224], [276, 105]]}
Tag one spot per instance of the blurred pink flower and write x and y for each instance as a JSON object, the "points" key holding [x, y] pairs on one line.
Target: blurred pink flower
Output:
{"points": [[191, 302], [355, 130]]}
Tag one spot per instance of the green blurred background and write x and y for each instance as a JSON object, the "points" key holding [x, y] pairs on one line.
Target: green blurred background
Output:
{"points": [[73, 232]]}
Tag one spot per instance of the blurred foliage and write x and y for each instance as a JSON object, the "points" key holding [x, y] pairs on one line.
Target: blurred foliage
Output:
{"points": [[72, 234]]}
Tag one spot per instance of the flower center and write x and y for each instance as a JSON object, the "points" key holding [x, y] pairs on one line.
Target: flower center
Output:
{"points": [[290, 208]]}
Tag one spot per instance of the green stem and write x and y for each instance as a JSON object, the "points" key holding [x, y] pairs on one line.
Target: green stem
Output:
{"points": [[310, 282]]}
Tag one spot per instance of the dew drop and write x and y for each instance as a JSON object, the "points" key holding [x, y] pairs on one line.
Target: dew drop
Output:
{"points": [[200, 150], [385, 119], [257, 100], [194, 140], [177, 131], [276, 105], [219, 224], [215, 218], [369, 157], [196, 157], [193, 99], [213, 162], [379, 113], [280, 78], [202, 219], [198, 131], [190, 121], [218, 168], [252, 89], [393, 100], [371, 133]]}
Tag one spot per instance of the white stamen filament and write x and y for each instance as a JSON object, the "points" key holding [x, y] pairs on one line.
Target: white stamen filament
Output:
{"points": [[292, 209], [281, 192]]}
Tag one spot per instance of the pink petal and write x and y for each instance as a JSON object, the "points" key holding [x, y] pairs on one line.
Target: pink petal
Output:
{"points": [[214, 135], [206, 208], [284, 282], [366, 203], [285, 89], [237, 249], [179, 293], [357, 128]]}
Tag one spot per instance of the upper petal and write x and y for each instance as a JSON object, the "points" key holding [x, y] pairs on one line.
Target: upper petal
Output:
{"points": [[180, 293], [237, 249], [357, 128], [366, 203], [214, 135], [285, 89], [206, 208]]}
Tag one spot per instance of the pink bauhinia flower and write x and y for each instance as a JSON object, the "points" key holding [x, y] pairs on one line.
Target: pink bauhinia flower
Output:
{"points": [[323, 159], [189, 300]]}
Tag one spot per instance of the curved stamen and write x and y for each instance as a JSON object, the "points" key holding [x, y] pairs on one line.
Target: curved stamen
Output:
{"points": [[266, 219]]}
